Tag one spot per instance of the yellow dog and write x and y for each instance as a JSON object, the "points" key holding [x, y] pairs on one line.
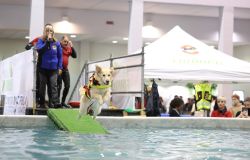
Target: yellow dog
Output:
{"points": [[97, 92]]}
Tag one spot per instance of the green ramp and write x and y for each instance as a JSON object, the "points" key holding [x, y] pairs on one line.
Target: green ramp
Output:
{"points": [[67, 119]]}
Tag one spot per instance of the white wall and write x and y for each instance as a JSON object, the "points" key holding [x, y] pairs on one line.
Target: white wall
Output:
{"points": [[100, 51], [14, 17], [242, 52], [9, 47]]}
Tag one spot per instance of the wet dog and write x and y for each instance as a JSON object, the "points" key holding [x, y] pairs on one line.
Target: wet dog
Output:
{"points": [[97, 92]]}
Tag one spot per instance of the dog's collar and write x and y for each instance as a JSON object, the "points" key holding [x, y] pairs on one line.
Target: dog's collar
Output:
{"points": [[95, 84], [101, 86]]}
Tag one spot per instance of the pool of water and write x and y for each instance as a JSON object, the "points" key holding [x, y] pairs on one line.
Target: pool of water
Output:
{"points": [[129, 144]]}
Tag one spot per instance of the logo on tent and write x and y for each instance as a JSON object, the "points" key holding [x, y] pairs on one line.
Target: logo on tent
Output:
{"points": [[189, 49]]}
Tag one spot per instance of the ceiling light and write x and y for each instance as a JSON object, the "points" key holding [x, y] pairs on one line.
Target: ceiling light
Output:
{"points": [[73, 36], [65, 18], [114, 42], [125, 38], [150, 31], [65, 26], [27, 37]]}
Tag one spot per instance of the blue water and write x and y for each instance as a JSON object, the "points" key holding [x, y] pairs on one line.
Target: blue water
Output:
{"points": [[125, 144]]}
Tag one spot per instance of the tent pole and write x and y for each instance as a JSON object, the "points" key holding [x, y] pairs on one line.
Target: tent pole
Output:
{"points": [[142, 83]]}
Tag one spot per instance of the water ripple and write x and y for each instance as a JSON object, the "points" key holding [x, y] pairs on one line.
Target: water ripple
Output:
{"points": [[139, 144]]}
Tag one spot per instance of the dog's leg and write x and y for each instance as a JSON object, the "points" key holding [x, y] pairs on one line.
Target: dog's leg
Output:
{"points": [[99, 109], [94, 106], [84, 102], [98, 98], [106, 97]]}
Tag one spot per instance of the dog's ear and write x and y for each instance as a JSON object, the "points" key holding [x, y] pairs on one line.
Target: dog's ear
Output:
{"points": [[112, 70], [98, 69]]}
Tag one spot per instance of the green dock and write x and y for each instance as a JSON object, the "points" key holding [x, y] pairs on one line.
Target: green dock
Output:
{"points": [[67, 120]]}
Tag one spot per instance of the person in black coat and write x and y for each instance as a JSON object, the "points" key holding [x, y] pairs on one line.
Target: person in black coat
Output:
{"points": [[175, 107]]}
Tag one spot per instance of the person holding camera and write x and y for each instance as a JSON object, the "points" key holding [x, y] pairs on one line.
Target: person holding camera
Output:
{"points": [[67, 50], [50, 65]]}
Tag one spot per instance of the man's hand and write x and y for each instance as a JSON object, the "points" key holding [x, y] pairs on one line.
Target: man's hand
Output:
{"points": [[70, 44], [50, 36], [60, 72]]}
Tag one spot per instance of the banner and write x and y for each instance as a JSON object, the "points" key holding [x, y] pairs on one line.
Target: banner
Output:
{"points": [[17, 76], [15, 105]]}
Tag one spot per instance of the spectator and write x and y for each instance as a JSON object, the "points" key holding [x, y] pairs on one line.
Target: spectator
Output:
{"points": [[28, 47], [214, 104], [221, 110], [162, 107], [175, 107], [67, 50], [50, 54], [245, 108], [152, 107], [188, 106], [236, 106], [247, 105]]}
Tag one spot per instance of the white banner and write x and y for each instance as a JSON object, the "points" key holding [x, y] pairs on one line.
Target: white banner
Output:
{"points": [[17, 76], [15, 105]]}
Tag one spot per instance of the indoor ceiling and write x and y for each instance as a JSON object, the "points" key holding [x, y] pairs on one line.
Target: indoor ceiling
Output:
{"points": [[121, 6]]}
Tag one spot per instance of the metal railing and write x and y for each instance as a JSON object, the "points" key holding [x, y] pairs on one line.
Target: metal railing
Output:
{"points": [[85, 71]]}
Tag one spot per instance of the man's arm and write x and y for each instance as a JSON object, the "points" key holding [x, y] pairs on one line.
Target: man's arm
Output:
{"points": [[74, 55], [42, 46], [59, 55]]}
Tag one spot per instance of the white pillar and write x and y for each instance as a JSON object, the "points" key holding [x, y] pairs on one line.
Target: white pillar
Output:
{"points": [[135, 40], [226, 30], [36, 18], [226, 45]]}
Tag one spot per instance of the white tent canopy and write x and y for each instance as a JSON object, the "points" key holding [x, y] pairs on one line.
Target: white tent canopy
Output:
{"points": [[177, 56]]}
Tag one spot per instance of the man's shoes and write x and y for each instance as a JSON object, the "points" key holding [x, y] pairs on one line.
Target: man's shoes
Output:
{"points": [[41, 106], [64, 105], [50, 104], [57, 105]]}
